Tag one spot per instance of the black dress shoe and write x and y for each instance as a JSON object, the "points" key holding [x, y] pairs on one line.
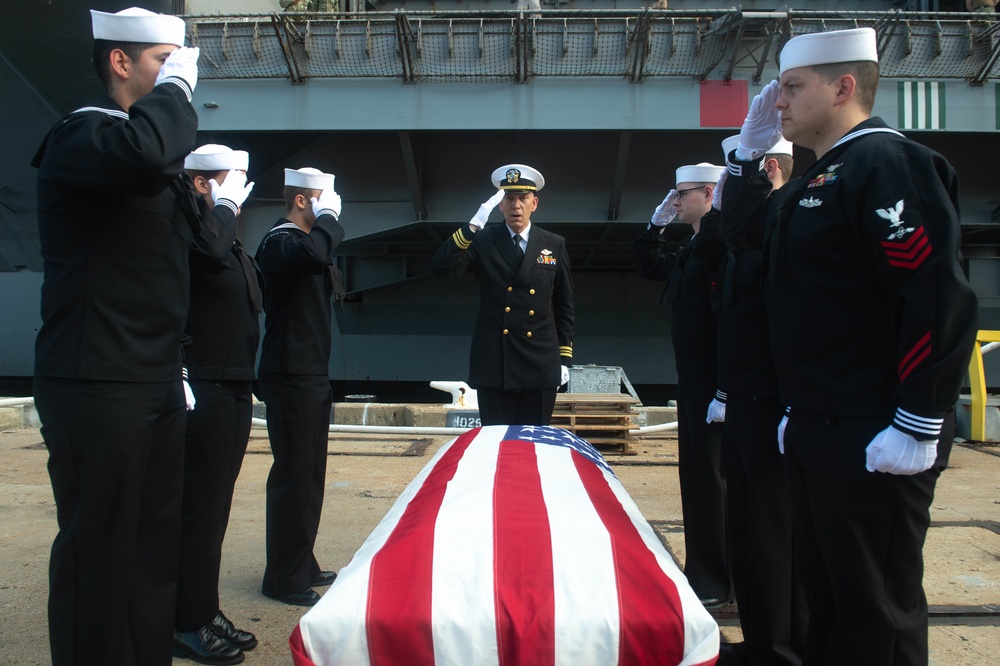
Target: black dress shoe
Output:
{"points": [[711, 603], [733, 654], [307, 597], [324, 578], [222, 626], [205, 647]]}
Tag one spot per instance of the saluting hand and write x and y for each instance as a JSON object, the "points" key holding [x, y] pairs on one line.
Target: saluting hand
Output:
{"points": [[717, 192], [665, 212], [329, 203], [478, 220], [761, 130], [181, 69], [233, 192]]}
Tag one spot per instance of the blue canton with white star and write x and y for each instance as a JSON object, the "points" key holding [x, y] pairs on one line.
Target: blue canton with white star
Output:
{"points": [[559, 437]]}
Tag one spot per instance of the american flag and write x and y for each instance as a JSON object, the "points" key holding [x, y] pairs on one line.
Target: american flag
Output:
{"points": [[514, 545]]}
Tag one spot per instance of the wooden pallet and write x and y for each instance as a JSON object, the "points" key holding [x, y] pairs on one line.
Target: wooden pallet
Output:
{"points": [[603, 419]]}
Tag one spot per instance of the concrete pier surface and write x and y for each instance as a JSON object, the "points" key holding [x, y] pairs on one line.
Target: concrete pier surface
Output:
{"points": [[367, 472]]}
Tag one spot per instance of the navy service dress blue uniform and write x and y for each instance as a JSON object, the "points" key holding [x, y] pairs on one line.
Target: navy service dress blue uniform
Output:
{"points": [[223, 324], [108, 363], [872, 322], [300, 283], [524, 326], [770, 597], [692, 276]]}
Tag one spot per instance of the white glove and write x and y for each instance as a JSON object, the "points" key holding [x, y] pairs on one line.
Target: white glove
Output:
{"points": [[716, 412], [234, 189], [761, 130], [781, 434], [181, 68], [188, 393], [329, 203], [479, 219], [897, 452], [563, 374], [717, 192], [665, 212]]}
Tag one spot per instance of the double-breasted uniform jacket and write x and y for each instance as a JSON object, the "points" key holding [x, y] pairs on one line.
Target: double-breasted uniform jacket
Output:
{"points": [[524, 328], [870, 312], [114, 240], [300, 282], [692, 276]]}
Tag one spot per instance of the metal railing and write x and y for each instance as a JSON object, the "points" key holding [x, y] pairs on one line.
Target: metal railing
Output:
{"points": [[520, 46]]}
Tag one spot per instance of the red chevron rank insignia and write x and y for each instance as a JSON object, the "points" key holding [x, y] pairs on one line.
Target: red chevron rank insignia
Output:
{"points": [[910, 253]]}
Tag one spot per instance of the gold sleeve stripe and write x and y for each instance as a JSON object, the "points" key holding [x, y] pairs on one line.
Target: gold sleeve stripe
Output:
{"points": [[460, 241], [566, 350]]}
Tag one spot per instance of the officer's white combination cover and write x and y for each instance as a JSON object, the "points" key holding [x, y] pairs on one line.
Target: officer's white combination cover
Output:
{"points": [[824, 48], [699, 173], [138, 25], [216, 157], [518, 178], [308, 178]]}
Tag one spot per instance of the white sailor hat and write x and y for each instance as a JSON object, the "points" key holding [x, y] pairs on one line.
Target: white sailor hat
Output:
{"points": [[138, 25], [823, 48], [518, 178], [216, 157], [729, 145], [783, 147], [699, 173], [309, 178]]}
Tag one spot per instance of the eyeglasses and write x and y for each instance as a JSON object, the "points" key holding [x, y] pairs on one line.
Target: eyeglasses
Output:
{"points": [[681, 193]]}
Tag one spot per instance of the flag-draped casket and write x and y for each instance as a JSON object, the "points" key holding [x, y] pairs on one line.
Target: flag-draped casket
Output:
{"points": [[514, 545]]}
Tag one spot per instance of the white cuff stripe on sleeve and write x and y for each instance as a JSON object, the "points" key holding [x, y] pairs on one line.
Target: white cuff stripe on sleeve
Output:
{"points": [[180, 83], [918, 425], [231, 205], [720, 395]]}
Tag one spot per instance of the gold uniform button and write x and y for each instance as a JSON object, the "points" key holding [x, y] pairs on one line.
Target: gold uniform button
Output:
{"points": [[510, 288], [531, 313], [507, 309], [529, 334], [530, 291], [505, 331]]}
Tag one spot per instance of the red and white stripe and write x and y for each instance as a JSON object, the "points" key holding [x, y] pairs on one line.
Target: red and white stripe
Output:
{"points": [[506, 551]]}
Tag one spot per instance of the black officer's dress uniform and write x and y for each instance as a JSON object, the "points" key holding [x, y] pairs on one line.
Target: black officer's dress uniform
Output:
{"points": [[771, 599], [300, 282], [108, 371], [872, 323], [692, 275], [524, 328], [226, 298]]}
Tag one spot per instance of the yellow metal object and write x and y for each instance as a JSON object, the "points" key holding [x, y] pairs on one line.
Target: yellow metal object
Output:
{"points": [[977, 385]]}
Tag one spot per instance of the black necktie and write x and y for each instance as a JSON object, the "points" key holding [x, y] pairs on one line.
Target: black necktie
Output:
{"points": [[253, 286], [517, 246]]}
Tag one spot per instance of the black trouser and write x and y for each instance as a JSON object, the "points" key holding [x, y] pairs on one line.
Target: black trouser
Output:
{"points": [[298, 426], [215, 443], [863, 535], [116, 463], [703, 490], [770, 597], [521, 407]]}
